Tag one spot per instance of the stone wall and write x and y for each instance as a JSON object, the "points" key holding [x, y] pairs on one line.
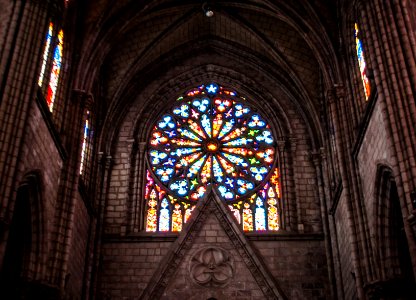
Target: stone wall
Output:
{"points": [[343, 231], [376, 150], [127, 267], [78, 250]]}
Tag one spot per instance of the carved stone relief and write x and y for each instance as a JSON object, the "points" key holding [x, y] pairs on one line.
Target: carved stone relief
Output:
{"points": [[211, 267]]}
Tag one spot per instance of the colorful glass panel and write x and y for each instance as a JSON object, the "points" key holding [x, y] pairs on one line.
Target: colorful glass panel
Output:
{"points": [[85, 142], [56, 69], [45, 54], [247, 218], [361, 62], [177, 218], [212, 130], [164, 216], [209, 139]]}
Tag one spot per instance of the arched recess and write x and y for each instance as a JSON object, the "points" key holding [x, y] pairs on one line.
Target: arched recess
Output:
{"points": [[24, 262], [395, 273], [152, 108]]}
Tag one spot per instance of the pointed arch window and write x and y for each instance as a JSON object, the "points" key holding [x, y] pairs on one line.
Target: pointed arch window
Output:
{"points": [[45, 54], [361, 62], [86, 149], [212, 139], [51, 64], [56, 69]]}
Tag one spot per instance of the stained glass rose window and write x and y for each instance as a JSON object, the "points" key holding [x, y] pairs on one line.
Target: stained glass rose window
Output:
{"points": [[209, 138]]}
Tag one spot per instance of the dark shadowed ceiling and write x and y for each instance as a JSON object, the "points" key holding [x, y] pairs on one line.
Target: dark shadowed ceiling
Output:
{"points": [[287, 48]]}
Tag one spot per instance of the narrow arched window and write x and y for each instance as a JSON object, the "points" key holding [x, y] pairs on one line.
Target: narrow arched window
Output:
{"points": [[212, 140], [45, 57], [361, 62], [56, 69], [51, 64], [87, 147]]}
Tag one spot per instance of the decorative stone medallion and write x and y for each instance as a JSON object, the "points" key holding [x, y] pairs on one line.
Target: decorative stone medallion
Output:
{"points": [[211, 267]]}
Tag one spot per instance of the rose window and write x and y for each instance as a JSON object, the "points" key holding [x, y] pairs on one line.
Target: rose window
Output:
{"points": [[210, 138]]}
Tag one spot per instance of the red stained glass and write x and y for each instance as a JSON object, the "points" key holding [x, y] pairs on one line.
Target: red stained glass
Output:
{"points": [[211, 138]]}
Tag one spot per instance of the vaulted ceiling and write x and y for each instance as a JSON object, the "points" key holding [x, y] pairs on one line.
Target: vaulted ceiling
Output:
{"points": [[284, 47]]}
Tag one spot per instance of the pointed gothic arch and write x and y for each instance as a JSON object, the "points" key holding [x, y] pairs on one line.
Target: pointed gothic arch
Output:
{"points": [[395, 273], [25, 256], [212, 136]]}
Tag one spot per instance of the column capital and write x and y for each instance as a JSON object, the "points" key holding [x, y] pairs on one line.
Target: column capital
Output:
{"points": [[281, 144], [293, 141], [335, 93]]}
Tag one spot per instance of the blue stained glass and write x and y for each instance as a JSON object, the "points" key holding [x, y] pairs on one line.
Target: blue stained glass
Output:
{"points": [[182, 111], [167, 122], [226, 193], [170, 162], [229, 182], [244, 186], [206, 124], [240, 110], [256, 122], [266, 136], [258, 172], [228, 126], [212, 88], [218, 173], [157, 157], [211, 138], [171, 133], [189, 134], [202, 105], [165, 174], [212, 141], [180, 187], [184, 151], [194, 169], [239, 142], [164, 217], [260, 215], [236, 160]]}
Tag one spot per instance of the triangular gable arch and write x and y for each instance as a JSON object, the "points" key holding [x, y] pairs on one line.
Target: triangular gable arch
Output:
{"points": [[210, 206]]}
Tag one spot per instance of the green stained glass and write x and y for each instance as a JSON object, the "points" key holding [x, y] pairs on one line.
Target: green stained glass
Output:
{"points": [[211, 137]]}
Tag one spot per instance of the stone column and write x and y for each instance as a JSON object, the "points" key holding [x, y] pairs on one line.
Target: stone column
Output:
{"points": [[104, 175], [20, 61], [393, 50], [64, 210]]}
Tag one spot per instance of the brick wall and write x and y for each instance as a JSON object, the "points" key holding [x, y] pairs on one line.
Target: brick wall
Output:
{"points": [[5, 22], [299, 267], [126, 268], [241, 286], [376, 149], [39, 153], [78, 248], [343, 231]]}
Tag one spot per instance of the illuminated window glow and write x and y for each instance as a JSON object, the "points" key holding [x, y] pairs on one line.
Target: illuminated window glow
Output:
{"points": [[361, 63], [45, 54], [85, 142], [56, 69], [212, 138]]}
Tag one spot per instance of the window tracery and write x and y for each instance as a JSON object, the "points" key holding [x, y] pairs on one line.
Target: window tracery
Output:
{"points": [[212, 139], [51, 65], [56, 69], [361, 62]]}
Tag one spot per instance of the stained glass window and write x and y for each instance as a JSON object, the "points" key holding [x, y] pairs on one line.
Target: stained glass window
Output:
{"points": [[85, 143], [56, 69], [45, 54], [211, 139], [361, 63]]}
